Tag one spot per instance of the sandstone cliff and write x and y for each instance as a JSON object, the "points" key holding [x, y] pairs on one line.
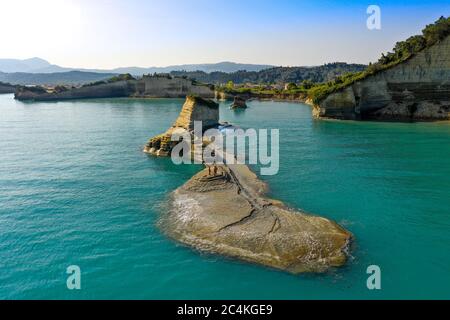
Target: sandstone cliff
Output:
{"points": [[416, 89], [223, 210], [148, 86], [172, 87], [194, 109]]}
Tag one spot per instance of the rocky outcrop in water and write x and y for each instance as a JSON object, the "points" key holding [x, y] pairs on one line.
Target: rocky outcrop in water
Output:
{"points": [[223, 210], [239, 103], [194, 109], [416, 89], [228, 214]]}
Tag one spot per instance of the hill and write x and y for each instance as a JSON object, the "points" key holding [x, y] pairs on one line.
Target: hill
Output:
{"points": [[38, 65], [316, 74], [27, 65]]}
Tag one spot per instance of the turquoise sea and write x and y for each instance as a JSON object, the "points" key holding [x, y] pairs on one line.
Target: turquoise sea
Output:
{"points": [[75, 189]]}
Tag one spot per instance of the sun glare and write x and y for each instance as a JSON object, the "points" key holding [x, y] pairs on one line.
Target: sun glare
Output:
{"points": [[49, 23]]}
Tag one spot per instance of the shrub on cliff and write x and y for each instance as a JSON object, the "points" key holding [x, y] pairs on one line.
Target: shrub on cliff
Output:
{"points": [[437, 31], [199, 100], [121, 77], [33, 89], [291, 86]]}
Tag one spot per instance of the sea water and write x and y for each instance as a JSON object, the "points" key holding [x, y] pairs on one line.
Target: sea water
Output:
{"points": [[76, 189]]}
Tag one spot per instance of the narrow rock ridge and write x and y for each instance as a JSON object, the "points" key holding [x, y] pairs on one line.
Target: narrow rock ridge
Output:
{"points": [[223, 210]]}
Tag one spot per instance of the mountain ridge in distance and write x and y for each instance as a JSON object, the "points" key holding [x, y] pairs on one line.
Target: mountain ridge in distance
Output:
{"points": [[55, 78], [39, 65]]}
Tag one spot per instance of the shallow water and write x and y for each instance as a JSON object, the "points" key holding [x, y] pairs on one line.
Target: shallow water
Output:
{"points": [[75, 189]]}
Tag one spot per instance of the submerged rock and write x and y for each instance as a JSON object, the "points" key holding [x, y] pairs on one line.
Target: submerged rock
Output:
{"points": [[227, 214]]}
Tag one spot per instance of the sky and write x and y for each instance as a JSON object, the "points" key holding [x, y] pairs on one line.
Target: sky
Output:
{"points": [[118, 33]]}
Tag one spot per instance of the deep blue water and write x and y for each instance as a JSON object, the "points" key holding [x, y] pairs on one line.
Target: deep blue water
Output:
{"points": [[75, 189]]}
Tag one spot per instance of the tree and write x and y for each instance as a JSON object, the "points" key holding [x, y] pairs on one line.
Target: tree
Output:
{"points": [[437, 31], [307, 84], [291, 86]]}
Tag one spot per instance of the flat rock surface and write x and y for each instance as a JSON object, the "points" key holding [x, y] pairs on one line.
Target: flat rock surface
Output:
{"points": [[228, 214]]}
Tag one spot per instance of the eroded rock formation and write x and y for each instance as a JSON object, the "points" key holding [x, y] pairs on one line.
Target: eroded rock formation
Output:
{"points": [[239, 103], [194, 109], [416, 89]]}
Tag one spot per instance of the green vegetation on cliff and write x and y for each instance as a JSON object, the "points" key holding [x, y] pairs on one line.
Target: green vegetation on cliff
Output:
{"points": [[402, 51], [288, 91], [121, 77], [117, 78]]}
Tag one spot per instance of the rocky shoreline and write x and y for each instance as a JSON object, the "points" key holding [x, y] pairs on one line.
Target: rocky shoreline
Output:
{"points": [[194, 109]]}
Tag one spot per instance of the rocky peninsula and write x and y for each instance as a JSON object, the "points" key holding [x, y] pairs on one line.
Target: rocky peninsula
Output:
{"points": [[159, 86], [225, 211]]}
